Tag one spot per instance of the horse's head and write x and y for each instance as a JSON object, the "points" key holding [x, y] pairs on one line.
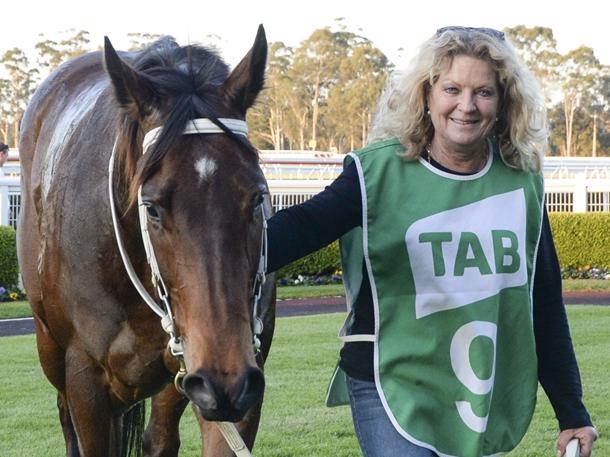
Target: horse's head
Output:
{"points": [[203, 195]]}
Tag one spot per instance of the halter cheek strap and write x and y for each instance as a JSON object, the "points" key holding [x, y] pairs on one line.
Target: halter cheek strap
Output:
{"points": [[175, 346]]}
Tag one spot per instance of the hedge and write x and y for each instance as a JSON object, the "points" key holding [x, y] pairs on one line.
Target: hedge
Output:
{"points": [[9, 269], [582, 240], [323, 262]]}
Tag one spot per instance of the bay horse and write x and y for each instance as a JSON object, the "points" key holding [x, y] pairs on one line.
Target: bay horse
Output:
{"points": [[196, 192]]}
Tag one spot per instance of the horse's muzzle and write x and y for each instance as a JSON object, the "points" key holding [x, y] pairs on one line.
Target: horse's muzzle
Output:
{"points": [[224, 403]]}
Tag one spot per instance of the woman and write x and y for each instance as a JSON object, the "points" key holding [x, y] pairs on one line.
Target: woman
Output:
{"points": [[447, 250]]}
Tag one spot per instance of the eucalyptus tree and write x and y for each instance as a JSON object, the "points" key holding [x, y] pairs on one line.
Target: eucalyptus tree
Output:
{"points": [[352, 100], [138, 40], [581, 73], [314, 71], [5, 121], [574, 84], [51, 52], [269, 117], [537, 48], [16, 90]]}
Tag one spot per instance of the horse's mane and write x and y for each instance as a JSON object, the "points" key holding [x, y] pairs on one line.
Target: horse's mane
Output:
{"points": [[187, 77]]}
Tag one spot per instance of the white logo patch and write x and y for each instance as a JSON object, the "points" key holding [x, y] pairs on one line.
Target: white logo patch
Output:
{"points": [[205, 168], [467, 254]]}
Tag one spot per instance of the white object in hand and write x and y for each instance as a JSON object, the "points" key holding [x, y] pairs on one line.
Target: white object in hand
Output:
{"points": [[573, 448]]}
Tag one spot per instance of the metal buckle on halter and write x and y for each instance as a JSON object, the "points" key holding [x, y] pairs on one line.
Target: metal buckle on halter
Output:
{"points": [[257, 323], [177, 351]]}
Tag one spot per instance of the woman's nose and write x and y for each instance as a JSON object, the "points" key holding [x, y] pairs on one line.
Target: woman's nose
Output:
{"points": [[467, 103]]}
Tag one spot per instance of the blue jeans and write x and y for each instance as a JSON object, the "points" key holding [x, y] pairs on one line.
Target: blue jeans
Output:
{"points": [[376, 434]]}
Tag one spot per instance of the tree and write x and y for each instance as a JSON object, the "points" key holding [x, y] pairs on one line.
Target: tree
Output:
{"points": [[351, 101], [139, 40], [5, 121], [321, 94], [580, 74], [269, 115], [315, 69], [575, 86], [16, 91], [537, 48], [53, 52]]}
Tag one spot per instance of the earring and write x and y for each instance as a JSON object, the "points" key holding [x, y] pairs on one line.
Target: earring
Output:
{"points": [[428, 113]]}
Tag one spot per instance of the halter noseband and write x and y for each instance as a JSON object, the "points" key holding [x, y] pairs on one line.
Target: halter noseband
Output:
{"points": [[175, 346]]}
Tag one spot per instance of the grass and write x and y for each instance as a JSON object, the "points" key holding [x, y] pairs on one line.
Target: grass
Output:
{"points": [[22, 309], [14, 309], [573, 285], [330, 290], [295, 421]]}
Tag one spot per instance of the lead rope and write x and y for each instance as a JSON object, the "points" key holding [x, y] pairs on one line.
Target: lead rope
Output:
{"points": [[175, 346]]}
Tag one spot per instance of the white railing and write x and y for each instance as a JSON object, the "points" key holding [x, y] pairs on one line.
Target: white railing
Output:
{"points": [[10, 190], [571, 184]]}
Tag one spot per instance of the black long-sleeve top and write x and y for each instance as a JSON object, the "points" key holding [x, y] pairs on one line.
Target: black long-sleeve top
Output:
{"points": [[305, 228]]}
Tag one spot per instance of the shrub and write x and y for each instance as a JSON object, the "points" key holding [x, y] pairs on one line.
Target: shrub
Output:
{"points": [[9, 269], [582, 241], [323, 262]]}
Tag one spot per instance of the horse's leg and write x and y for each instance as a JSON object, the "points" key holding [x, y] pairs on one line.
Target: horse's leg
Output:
{"points": [[52, 361], [67, 426], [213, 443], [162, 435], [98, 428]]}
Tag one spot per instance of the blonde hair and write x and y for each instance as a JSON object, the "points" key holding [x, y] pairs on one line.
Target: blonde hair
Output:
{"points": [[521, 130]]}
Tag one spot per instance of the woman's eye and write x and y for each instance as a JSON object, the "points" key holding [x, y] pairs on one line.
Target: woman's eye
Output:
{"points": [[451, 90]]}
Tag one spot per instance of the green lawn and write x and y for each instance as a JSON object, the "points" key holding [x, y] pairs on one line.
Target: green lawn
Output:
{"points": [[295, 421], [22, 309], [13, 309], [573, 285], [329, 290]]}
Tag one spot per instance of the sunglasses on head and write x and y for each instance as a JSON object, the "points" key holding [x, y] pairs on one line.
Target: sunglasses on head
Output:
{"points": [[497, 34]]}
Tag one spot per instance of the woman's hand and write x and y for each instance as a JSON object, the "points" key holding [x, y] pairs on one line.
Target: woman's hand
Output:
{"points": [[585, 435]]}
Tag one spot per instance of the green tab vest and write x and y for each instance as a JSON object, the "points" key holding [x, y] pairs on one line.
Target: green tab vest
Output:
{"points": [[450, 260]]}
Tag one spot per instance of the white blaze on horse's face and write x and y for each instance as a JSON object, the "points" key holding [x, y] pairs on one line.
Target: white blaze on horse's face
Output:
{"points": [[205, 168]]}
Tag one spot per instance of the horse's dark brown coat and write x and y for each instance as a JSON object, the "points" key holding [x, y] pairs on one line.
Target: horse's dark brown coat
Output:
{"points": [[99, 344]]}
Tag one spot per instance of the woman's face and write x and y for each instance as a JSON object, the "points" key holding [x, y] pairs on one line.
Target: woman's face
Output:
{"points": [[463, 104]]}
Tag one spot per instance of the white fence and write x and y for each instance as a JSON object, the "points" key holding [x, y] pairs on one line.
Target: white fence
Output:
{"points": [[10, 190], [571, 184]]}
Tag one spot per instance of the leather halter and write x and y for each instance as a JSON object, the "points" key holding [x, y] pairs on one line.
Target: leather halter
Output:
{"points": [[175, 346]]}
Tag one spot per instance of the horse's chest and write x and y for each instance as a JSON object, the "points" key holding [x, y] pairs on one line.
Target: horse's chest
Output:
{"points": [[135, 363]]}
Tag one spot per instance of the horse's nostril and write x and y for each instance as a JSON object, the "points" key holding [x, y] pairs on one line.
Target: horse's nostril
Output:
{"points": [[220, 402], [252, 388], [200, 391]]}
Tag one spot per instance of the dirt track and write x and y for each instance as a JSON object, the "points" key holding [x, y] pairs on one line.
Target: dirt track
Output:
{"points": [[304, 307]]}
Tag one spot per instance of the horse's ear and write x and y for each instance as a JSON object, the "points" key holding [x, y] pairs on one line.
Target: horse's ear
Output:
{"points": [[247, 79], [132, 90]]}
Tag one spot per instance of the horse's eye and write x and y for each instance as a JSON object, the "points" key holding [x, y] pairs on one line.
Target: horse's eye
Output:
{"points": [[257, 201], [152, 212]]}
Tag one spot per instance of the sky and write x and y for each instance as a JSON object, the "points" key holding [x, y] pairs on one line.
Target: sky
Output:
{"points": [[389, 24]]}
